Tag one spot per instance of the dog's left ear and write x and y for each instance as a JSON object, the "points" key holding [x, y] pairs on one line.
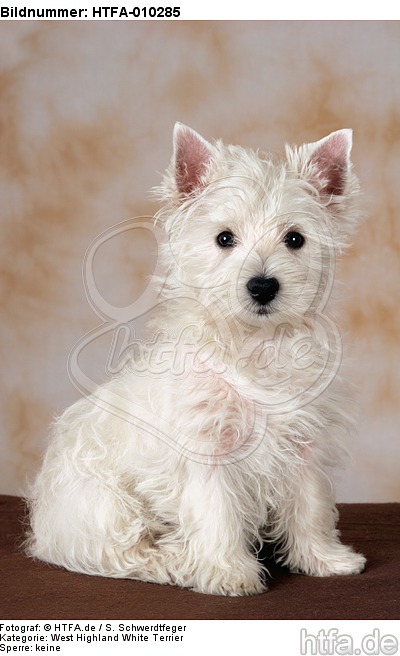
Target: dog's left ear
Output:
{"points": [[190, 161], [326, 166], [329, 162]]}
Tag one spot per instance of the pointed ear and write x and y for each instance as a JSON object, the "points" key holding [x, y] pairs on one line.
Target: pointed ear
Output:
{"points": [[191, 159], [330, 160]]}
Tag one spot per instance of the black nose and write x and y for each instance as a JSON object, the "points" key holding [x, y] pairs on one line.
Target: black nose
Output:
{"points": [[263, 290]]}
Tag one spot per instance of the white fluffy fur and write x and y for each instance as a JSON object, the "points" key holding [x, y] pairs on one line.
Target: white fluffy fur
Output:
{"points": [[175, 476]]}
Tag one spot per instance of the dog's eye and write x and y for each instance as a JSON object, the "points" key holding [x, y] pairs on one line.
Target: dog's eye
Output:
{"points": [[226, 239], [294, 240]]}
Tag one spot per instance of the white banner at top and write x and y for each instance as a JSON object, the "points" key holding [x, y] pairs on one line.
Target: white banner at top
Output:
{"points": [[171, 10]]}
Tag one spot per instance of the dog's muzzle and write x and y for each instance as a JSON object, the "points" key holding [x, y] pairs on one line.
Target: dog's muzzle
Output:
{"points": [[263, 290]]}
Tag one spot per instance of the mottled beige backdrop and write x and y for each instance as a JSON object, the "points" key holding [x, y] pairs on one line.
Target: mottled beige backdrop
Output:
{"points": [[86, 112]]}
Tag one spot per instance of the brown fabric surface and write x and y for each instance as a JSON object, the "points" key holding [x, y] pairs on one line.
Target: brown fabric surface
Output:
{"points": [[34, 590]]}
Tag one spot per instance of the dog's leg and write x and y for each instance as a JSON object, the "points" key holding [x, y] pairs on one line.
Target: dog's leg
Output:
{"points": [[85, 525], [214, 552], [306, 527]]}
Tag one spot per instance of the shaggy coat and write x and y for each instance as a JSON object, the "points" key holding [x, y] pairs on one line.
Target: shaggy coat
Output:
{"points": [[225, 432]]}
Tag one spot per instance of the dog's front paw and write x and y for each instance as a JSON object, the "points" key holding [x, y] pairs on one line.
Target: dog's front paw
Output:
{"points": [[232, 584], [240, 588], [337, 559], [347, 562]]}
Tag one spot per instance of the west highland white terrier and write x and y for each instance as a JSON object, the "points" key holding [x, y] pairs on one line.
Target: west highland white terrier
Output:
{"points": [[178, 475]]}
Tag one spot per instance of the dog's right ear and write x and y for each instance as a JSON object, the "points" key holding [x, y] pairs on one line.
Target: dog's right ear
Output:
{"points": [[190, 162]]}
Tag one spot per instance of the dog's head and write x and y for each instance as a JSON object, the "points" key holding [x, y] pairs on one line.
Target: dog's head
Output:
{"points": [[257, 235]]}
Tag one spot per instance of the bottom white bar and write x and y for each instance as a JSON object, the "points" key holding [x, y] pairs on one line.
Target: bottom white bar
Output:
{"points": [[350, 637]]}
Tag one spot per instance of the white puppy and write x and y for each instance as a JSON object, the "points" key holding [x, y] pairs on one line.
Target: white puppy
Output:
{"points": [[177, 475]]}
